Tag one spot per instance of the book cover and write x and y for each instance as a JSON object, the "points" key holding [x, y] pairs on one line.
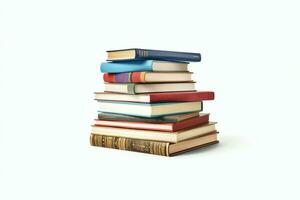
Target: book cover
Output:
{"points": [[130, 66], [157, 97], [152, 147], [182, 96], [149, 110], [172, 137], [143, 88], [146, 54], [147, 77], [164, 119], [170, 127]]}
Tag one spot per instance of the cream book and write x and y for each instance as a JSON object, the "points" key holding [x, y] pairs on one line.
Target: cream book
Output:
{"points": [[172, 137], [133, 88], [149, 109]]}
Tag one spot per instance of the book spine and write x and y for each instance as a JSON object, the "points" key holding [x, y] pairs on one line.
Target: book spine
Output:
{"points": [[144, 146], [117, 78], [182, 97], [206, 95], [131, 88], [126, 66], [189, 123], [110, 78], [138, 77], [134, 77], [167, 55]]}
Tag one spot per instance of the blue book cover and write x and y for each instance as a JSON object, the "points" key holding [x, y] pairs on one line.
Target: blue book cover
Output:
{"points": [[150, 54], [126, 66]]}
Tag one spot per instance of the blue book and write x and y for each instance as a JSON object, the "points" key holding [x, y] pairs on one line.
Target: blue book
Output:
{"points": [[149, 54], [143, 65]]}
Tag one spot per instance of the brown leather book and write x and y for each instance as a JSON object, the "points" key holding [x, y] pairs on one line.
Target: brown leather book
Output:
{"points": [[153, 147]]}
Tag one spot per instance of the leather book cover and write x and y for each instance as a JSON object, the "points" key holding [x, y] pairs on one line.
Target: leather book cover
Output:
{"points": [[142, 146]]}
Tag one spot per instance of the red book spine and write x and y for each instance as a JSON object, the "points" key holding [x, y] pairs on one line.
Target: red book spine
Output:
{"points": [[168, 127], [110, 78], [182, 96], [131, 77], [138, 77], [189, 123]]}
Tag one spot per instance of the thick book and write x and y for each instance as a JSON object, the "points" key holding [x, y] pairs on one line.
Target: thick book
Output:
{"points": [[170, 127], [153, 147], [148, 77], [139, 88], [163, 119], [149, 110], [157, 97], [163, 136], [143, 65], [150, 54]]}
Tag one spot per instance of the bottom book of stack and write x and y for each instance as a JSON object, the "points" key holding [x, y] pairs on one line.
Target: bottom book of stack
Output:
{"points": [[166, 139]]}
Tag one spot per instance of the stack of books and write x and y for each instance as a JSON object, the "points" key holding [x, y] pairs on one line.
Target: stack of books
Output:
{"points": [[150, 104]]}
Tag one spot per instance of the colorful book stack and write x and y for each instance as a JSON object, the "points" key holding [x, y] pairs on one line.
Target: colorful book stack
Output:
{"points": [[150, 104]]}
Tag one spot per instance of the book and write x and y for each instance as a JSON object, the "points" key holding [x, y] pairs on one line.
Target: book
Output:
{"points": [[149, 54], [143, 65], [148, 77], [149, 110], [163, 119], [136, 88], [157, 97], [171, 127], [172, 137], [152, 147]]}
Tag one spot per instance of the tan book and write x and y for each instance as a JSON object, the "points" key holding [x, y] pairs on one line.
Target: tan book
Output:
{"points": [[153, 147]]}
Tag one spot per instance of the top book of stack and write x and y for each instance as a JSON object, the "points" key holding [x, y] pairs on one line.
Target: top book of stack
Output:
{"points": [[148, 54]]}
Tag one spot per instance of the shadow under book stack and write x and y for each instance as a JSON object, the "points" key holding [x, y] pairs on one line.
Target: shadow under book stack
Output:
{"points": [[150, 104]]}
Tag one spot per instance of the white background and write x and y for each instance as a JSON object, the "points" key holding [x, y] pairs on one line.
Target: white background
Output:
{"points": [[50, 56]]}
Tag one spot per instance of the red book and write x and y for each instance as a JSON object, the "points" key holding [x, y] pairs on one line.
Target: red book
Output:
{"points": [[157, 97], [170, 127]]}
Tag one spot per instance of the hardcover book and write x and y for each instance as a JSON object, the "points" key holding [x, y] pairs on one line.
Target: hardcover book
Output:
{"points": [[153, 147], [163, 136], [148, 77], [136, 88], [143, 65], [149, 54], [149, 110], [157, 97], [171, 127], [163, 119]]}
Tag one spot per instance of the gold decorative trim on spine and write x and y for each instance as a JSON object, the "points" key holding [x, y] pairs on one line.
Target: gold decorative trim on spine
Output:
{"points": [[143, 77], [167, 149], [144, 146], [129, 77]]}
